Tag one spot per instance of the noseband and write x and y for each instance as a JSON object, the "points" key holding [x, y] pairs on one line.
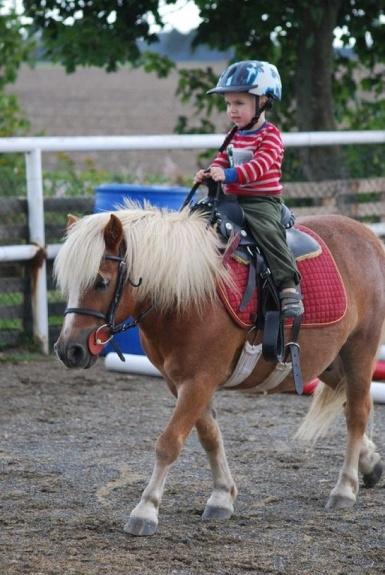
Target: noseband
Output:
{"points": [[109, 317]]}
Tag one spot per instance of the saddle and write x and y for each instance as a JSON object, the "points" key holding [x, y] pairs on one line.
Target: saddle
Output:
{"points": [[227, 217], [229, 220]]}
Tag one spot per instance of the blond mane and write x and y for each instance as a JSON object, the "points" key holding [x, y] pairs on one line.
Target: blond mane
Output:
{"points": [[174, 253]]}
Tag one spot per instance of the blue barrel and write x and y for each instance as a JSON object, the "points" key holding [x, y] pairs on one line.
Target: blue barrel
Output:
{"points": [[110, 197]]}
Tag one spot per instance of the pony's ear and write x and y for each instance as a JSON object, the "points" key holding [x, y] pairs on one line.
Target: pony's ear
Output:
{"points": [[113, 233], [71, 220]]}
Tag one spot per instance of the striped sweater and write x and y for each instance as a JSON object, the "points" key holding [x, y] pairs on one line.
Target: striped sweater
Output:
{"points": [[252, 162]]}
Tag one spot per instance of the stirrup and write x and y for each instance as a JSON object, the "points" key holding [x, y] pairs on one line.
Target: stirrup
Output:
{"points": [[291, 304]]}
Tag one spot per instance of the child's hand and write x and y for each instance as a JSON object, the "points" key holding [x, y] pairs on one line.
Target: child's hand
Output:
{"points": [[217, 174], [200, 176]]}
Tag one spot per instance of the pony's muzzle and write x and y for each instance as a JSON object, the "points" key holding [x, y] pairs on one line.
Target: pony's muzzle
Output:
{"points": [[74, 355]]}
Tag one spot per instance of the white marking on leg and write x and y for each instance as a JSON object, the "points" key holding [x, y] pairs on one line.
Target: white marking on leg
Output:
{"points": [[225, 492], [347, 484], [148, 507], [369, 457]]}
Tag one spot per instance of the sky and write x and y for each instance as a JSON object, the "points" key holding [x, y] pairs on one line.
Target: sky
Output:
{"points": [[182, 16]]}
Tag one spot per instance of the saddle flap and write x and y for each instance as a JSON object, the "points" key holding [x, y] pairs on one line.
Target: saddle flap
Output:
{"points": [[302, 244]]}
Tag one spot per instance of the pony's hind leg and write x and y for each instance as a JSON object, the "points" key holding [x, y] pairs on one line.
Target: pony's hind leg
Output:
{"points": [[370, 464], [357, 358], [220, 504]]}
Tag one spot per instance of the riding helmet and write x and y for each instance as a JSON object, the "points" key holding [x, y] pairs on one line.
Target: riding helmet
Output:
{"points": [[252, 76]]}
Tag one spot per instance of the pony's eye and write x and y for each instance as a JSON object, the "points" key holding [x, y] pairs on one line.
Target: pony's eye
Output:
{"points": [[101, 283]]}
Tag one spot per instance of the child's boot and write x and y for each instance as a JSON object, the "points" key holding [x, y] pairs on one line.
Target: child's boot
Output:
{"points": [[291, 302]]}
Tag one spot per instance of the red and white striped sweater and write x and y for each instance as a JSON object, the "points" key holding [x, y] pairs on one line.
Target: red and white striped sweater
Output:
{"points": [[261, 174]]}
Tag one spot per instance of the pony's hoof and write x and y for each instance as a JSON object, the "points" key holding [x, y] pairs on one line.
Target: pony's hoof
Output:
{"points": [[212, 513], [370, 479], [339, 502], [141, 527]]}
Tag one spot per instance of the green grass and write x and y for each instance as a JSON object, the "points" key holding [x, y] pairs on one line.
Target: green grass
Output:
{"points": [[11, 298], [11, 324], [21, 355], [55, 320]]}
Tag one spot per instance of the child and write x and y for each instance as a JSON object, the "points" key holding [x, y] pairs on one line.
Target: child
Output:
{"points": [[249, 164]]}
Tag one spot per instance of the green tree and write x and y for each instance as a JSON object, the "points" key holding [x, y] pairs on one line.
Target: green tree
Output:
{"points": [[101, 33], [322, 89], [15, 49]]}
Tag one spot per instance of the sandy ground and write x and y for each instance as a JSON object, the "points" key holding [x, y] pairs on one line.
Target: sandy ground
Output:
{"points": [[77, 449]]}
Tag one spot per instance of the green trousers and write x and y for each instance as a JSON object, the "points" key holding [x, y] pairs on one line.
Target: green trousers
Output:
{"points": [[263, 215]]}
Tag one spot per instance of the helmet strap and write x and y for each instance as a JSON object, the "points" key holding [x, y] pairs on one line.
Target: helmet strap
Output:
{"points": [[258, 111]]}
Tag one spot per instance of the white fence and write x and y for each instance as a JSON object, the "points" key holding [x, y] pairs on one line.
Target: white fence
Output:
{"points": [[33, 148]]}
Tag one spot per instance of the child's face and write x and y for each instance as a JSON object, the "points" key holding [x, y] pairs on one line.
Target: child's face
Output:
{"points": [[240, 107]]}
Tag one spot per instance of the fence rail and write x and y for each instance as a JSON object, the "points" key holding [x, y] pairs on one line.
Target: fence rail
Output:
{"points": [[36, 250], [174, 141]]}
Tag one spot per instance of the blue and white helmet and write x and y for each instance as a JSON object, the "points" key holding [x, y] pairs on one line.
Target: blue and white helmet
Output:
{"points": [[252, 76]]}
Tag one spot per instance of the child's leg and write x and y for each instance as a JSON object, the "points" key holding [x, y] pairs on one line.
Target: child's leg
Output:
{"points": [[264, 219]]}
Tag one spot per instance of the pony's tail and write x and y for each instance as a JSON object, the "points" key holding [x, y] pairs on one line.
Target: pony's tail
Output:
{"points": [[326, 405]]}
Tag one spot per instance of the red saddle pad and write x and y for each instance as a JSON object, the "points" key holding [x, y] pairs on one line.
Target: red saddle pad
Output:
{"points": [[323, 291]]}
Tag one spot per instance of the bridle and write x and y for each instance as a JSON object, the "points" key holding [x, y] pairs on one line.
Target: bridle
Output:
{"points": [[110, 326]]}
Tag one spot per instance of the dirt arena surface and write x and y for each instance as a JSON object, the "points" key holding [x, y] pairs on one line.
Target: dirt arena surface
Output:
{"points": [[77, 450]]}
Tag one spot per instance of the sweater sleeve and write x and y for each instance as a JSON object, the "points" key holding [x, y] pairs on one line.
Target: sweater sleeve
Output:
{"points": [[221, 160]]}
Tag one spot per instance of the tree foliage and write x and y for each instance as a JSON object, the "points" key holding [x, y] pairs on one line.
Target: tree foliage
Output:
{"points": [[323, 89], [15, 49], [92, 33]]}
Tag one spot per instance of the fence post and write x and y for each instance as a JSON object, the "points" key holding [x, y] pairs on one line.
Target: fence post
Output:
{"points": [[37, 236]]}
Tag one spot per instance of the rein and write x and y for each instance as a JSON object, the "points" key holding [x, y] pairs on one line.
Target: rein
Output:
{"points": [[110, 326]]}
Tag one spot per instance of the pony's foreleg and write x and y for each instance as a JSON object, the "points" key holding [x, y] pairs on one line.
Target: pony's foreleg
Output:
{"points": [[220, 504], [144, 518], [192, 400]]}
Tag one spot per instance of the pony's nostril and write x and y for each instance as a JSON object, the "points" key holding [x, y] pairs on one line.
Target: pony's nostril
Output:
{"points": [[76, 354]]}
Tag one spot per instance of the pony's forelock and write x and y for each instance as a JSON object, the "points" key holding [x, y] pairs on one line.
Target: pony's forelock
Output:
{"points": [[78, 260]]}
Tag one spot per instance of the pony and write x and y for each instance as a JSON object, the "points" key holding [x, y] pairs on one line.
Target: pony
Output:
{"points": [[163, 269]]}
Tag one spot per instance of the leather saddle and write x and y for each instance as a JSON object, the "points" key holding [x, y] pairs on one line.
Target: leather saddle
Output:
{"points": [[229, 220]]}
